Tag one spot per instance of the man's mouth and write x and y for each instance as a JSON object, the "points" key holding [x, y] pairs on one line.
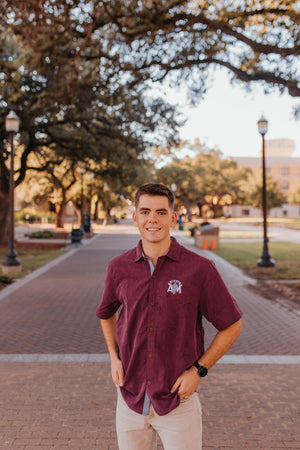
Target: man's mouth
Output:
{"points": [[152, 229]]}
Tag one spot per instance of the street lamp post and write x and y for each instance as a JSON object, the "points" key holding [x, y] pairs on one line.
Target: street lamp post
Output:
{"points": [[91, 176], [11, 263], [105, 189], [265, 259], [173, 189], [89, 217], [81, 171]]}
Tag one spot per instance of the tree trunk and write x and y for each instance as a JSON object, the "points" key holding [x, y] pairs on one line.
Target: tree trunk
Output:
{"points": [[4, 218], [95, 217], [199, 205], [107, 216], [188, 206], [213, 207], [60, 209]]}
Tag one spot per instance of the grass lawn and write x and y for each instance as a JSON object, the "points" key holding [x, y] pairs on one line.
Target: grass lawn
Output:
{"points": [[237, 234], [293, 223], [30, 259], [246, 254]]}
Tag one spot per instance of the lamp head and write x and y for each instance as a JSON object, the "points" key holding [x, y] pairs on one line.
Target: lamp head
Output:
{"points": [[262, 125], [12, 122]]}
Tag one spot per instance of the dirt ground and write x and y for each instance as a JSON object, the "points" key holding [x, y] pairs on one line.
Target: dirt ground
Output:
{"points": [[284, 291]]}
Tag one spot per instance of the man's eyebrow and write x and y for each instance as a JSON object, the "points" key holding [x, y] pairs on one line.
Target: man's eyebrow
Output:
{"points": [[148, 209]]}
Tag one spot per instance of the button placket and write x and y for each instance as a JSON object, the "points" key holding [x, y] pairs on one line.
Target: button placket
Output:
{"points": [[150, 331]]}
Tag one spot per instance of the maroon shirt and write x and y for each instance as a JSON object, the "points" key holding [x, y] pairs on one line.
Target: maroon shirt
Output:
{"points": [[159, 329]]}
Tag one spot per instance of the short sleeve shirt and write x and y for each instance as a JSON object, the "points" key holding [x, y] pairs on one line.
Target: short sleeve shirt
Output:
{"points": [[159, 329]]}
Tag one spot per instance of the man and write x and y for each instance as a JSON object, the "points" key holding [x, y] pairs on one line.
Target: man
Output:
{"points": [[156, 345]]}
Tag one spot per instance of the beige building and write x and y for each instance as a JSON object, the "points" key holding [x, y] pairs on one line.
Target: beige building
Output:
{"points": [[280, 163], [282, 166]]}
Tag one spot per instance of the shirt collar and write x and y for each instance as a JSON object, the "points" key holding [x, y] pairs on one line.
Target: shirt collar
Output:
{"points": [[173, 253]]}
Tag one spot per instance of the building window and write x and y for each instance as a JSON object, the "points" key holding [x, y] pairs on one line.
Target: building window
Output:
{"points": [[245, 212], [285, 185], [285, 171]]}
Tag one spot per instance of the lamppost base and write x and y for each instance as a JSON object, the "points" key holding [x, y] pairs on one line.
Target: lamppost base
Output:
{"points": [[266, 261], [12, 269], [12, 264]]}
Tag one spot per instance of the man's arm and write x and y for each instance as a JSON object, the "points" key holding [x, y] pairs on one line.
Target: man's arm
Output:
{"points": [[188, 381], [110, 335]]}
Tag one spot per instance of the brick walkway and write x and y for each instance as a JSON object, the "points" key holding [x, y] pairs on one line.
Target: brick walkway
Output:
{"points": [[58, 405]]}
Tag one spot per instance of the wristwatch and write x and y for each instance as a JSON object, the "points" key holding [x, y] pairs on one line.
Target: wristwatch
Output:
{"points": [[202, 370]]}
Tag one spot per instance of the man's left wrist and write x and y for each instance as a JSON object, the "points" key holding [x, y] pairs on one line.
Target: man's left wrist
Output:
{"points": [[202, 370]]}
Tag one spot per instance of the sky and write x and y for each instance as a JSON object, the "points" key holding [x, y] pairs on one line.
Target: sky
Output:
{"points": [[227, 118]]}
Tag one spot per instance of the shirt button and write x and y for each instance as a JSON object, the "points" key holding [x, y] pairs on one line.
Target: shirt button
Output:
{"points": [[154, 276], [150, 355], [151, 303], [150, 329], [149, 383]]}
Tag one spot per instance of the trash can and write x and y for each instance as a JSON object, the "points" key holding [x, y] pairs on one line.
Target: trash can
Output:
{"points": [[76, 235], [207, 237]]}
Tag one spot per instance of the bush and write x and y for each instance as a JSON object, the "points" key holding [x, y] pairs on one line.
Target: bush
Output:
{"points": [[46, 234], [5, 279]]}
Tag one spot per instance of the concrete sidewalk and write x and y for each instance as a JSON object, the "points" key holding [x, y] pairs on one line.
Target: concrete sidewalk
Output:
{"points": [[250, 400]]}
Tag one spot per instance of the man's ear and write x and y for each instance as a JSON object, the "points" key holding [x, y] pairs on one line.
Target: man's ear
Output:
{"points": [[174, 218], [134, 218]]}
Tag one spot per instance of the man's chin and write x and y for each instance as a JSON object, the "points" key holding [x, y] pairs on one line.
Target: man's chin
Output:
{"points": [[153, 238]]}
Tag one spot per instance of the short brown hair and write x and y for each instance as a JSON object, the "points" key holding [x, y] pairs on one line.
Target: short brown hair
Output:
{"points": [[155, 189]]}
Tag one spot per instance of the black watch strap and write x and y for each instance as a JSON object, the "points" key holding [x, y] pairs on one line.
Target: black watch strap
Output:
{"points": [[202, 370]]}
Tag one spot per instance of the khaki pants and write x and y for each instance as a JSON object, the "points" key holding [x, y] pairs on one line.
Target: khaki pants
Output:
{"points": [[181, 429]]}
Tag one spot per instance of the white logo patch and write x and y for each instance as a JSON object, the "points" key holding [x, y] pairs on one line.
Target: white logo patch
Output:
{"points": [[174, 286]]}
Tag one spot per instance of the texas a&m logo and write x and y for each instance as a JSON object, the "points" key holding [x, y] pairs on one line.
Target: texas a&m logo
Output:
{"points": [[174, 287]]}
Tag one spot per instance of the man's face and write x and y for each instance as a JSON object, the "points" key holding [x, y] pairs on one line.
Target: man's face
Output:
{"points": [[154, 218]]}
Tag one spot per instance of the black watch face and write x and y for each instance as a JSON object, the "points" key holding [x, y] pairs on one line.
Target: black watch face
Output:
{"points": [[202, 371]]}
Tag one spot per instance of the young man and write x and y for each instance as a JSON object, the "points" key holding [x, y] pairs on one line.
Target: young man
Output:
{"points": [[156, 345]]}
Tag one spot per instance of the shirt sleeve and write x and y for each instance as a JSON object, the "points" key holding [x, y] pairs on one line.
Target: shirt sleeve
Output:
{"points": [[109, 304], [217, 304]]}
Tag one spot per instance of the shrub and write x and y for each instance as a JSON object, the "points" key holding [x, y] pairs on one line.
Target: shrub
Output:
{"points": [[5, 279], [46, 234]]}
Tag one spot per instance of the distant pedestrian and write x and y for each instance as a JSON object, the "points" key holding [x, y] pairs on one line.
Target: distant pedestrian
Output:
{"points": [[154, 298]]}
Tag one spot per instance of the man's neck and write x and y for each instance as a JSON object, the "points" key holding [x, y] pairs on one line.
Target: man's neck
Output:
{"points": [[153, 251]]}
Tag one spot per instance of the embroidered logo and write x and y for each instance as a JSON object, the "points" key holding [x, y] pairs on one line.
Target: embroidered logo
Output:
{"points": [[174, 286]]}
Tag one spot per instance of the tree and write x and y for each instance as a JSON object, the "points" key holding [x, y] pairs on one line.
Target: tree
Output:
{"points": [[255, 41], [206, 179], [252, 190], [187, 178], [76, 104], [294, 194], [53, 177]]}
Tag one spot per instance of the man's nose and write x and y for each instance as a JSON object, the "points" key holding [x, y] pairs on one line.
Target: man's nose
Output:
{"points": [[152, 217]]}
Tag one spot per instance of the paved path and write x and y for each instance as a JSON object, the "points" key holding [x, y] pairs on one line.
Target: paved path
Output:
{"points": [[70, 402]]}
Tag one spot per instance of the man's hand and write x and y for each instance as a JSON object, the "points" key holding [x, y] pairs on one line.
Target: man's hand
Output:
{"points": [[110, 335], [187, 383], [117, 372]]}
